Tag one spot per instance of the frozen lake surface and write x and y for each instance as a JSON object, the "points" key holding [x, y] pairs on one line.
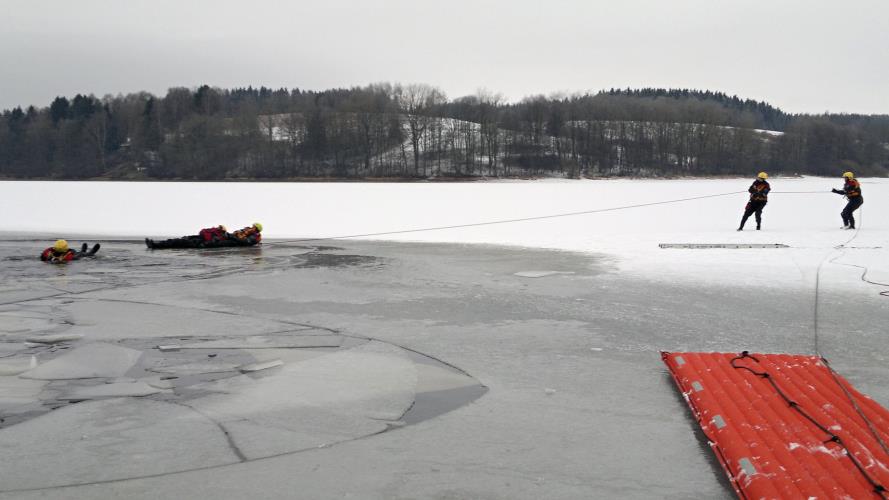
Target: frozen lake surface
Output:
{"points": [[452, 368]]}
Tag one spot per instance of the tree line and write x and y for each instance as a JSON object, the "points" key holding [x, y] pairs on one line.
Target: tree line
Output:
{"points": [[415, 131]]}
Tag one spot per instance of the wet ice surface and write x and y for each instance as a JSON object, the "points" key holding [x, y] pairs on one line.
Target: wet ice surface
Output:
{"points": [[137, 360], [109, 439], [96, 360], [578, 404]]}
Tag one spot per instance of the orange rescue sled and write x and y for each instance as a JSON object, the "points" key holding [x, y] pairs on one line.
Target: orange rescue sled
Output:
{"points": [[786, 426]]}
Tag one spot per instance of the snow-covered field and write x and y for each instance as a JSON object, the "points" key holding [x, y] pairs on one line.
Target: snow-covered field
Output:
{"points": [[801, 213]]}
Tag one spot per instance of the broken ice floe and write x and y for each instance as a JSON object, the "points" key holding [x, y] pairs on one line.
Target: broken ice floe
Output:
{"points": [[438, 378], [114, 390], [97, 360], [108, 440], [309, 427], [54, 339], [15, 392], [265, 365], [321, 401], [194, 368], [316, 398], [371, 382], [15, 366], [160, 381], [540, 274], [24, 322], [267, 342]]}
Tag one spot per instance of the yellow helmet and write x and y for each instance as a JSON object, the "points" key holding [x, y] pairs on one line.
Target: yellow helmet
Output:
{"points": [[222, 228], [762, 175], [848, 175], [60, 246], [258, 226]]}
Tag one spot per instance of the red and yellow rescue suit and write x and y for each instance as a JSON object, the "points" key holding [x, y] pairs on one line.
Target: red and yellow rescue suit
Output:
{"points": [[211, 234], [51, 255], [249, 235]]}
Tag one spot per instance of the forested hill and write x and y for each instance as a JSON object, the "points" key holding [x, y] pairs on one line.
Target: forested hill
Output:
{"points": [[415, 131], [763, 114]]}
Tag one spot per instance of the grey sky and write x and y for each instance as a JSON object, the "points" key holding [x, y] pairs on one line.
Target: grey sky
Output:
{"points": [[802, 56]]}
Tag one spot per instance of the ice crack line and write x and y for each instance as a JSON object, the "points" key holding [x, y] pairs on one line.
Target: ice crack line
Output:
{"points": [[229, 438]]}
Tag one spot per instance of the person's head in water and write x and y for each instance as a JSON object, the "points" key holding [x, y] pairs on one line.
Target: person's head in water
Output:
{"points": [[60, 247]]}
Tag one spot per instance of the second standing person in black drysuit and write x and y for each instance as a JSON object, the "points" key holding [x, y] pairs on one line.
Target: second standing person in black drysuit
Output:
{"points": [[759, 196], [852, 191]]}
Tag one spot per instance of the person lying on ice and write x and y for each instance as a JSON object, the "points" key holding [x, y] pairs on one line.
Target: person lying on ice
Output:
{"points": [[250, 235], [759, 196], [208, 237], [852, 192], [212, 238], [60, 253]]}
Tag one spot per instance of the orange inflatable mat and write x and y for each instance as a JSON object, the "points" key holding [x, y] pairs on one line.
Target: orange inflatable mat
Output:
{"points": [[786, 426]]}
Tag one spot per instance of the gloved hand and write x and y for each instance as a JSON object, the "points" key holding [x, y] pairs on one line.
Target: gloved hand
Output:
{"points": [[837, 191]]}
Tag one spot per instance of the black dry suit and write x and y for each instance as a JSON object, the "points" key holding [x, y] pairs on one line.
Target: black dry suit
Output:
{"points": [[759, 196], [852, 192]]}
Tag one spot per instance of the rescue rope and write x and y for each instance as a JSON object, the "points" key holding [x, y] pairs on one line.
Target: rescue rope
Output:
{"points": [[830, 260], [870, 425], [865, 270], [879, 489], [874, 432], [523, 219], [884, 293], [799, 192], [507, 221]]}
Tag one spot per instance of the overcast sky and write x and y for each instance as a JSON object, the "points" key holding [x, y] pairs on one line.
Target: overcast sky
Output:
{"points": [[800, 55]]}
